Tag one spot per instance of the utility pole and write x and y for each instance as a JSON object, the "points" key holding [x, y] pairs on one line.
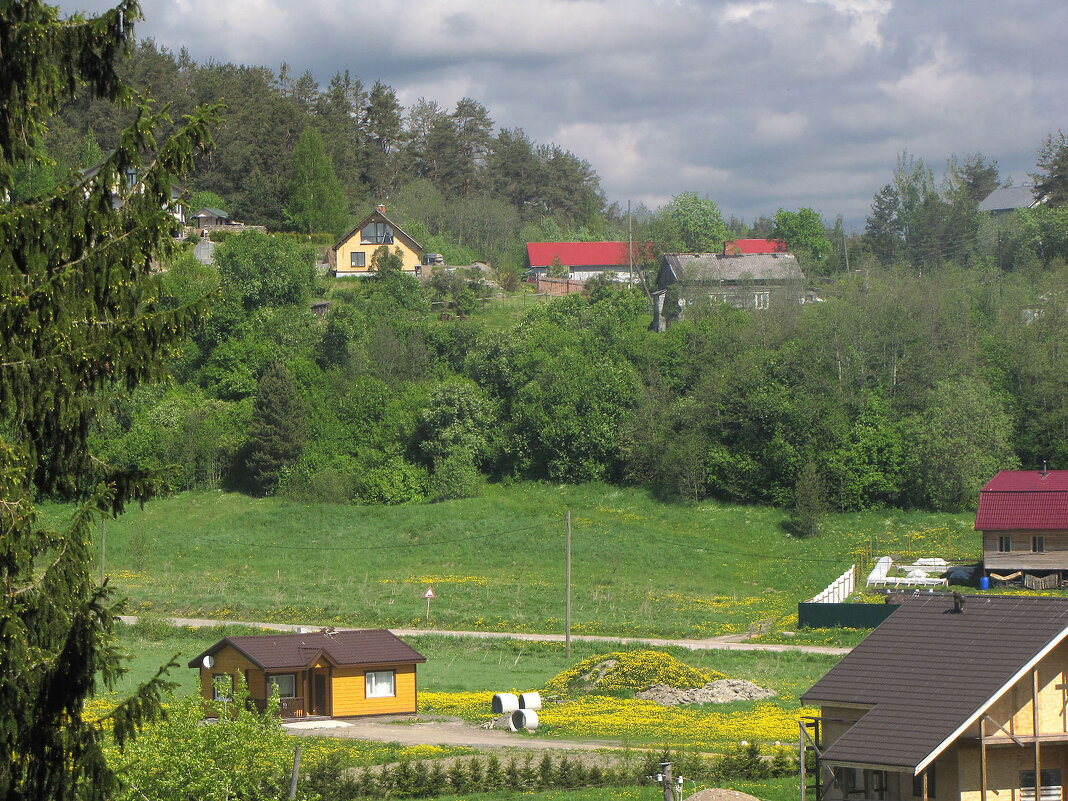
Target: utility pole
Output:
{"points": [[567, 593], [845, 247], [103, 537], [630, 243]]}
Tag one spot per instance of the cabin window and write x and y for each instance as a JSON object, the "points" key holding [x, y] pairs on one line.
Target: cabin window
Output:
{"points": [[359, 259], [1038, 544], [286, 684], [917, 783], [380, 684], [222, 687], [761, 300], [376, 234], [1051, 785], [1004, 544]]}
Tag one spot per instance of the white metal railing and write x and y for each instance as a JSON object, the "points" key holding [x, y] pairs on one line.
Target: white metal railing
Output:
{"points": [[839, 589]]}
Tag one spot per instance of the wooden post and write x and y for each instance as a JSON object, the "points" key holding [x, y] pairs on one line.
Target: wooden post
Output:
{"points": [[982, 761], [296, 771], [567, 596], [925, 796], [1035, 731], [669, 781]]}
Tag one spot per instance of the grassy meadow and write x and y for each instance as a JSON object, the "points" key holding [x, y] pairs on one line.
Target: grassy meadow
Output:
{"points": [[468, 664], [639, 566]]}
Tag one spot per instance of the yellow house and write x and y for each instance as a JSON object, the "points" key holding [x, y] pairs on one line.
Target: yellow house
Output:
{"points": [[953, 698], [352, 253], [322, 674]]}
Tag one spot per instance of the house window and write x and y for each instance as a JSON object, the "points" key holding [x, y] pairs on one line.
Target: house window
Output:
{"points": [[1038, 544], [376, 234], [1004, 544], [380, 684], [917, 783], [222, 687], [286, 684], [1051, 785], [359, 259], [761, 300]]}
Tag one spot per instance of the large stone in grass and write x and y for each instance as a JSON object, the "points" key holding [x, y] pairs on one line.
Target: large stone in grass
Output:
{"points": [[722, 691]]}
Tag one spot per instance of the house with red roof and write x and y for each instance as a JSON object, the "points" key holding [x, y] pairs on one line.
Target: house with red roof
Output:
{"points": [[583, 260], [1023, 516]]}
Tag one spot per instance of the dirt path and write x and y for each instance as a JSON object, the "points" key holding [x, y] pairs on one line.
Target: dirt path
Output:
{"points": [[732, 642], [437, 730]]}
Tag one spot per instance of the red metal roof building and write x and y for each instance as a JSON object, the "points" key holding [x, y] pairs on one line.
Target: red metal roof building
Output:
{"points": [[1023, 515], [584, 260]]}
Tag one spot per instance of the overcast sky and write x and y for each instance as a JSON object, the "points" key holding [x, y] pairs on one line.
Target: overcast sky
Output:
{"points": [[755, 104]]}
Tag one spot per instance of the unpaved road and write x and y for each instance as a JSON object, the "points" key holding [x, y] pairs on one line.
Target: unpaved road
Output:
{"points": [[437, 730], [732, 642]]}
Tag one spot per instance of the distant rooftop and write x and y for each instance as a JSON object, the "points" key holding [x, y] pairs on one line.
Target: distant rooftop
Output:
{"points": [[1008, 198], [1024, 500]]}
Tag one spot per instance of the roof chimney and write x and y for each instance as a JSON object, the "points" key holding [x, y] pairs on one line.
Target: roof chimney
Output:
{"points": [[958, 603], [1045, 472], [382, 208]]}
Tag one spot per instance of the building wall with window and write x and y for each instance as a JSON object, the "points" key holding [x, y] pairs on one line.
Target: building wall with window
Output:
{"points": [[229, 662], [352, 688], [1025, 550], [354, 251]]}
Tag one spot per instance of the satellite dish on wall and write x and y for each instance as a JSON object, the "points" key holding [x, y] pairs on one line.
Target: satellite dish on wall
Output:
{"points": [[209, 661]]}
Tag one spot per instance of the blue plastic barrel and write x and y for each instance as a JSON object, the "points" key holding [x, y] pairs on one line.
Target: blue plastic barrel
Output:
{"points": [[984, 583]]}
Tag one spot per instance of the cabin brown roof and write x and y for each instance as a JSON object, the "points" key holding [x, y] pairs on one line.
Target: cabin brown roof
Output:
{"points": [[929, 673], [298, 651]]}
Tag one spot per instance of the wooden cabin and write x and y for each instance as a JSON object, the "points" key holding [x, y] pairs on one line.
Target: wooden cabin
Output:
{"points": [[952, 698], [323, 674], [1023, 517]]}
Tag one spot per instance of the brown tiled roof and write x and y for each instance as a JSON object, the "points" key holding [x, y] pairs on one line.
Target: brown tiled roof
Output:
{"points": [[279, 651], [929, 673]]}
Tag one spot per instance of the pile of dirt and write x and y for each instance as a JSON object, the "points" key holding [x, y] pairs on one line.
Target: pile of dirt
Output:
{"points": [[722, 691], [627, 670]]}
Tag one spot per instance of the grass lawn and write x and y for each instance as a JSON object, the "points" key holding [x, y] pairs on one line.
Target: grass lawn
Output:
{"points": [[465, 664], [783, 789], [639, 566]]}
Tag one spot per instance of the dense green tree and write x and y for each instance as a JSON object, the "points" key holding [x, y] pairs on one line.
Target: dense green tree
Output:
{"points": [[276, 432], [1051, 180], [802, 230], [383, 133], [262, 270], [316, 199], [883, 231], [689, 223], [963, 438], [474, 130], [80, 317], [810, 505]]}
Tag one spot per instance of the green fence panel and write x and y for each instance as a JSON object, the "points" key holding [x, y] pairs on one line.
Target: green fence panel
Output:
{"points": [[842, 616]]}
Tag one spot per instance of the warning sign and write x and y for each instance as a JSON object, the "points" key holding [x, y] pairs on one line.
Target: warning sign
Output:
{"points": [[429, 593]]}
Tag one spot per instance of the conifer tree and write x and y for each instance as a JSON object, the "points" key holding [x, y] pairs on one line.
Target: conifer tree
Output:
{"points": [[276, 433], [78, 315]]}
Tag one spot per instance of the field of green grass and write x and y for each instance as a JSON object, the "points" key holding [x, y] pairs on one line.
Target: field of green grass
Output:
{"points": [[467, 664], [639, 566]]}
